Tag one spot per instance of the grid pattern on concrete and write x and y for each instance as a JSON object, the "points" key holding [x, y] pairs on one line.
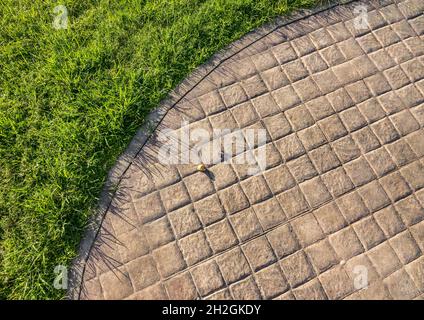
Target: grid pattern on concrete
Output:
{"points": [[344, 114]]}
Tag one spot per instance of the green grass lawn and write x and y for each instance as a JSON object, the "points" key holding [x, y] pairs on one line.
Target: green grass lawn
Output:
{"points": [[71, 100]]}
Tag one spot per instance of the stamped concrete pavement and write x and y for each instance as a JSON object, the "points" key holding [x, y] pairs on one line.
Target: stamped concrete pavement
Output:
{"points": [[337, 212]]}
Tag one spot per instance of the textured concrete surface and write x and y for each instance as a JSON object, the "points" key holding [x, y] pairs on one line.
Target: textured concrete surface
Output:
{"points": [[342, 194]]}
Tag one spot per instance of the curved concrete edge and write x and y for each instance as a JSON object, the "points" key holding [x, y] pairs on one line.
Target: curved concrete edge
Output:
{"points": [[152, 122]]}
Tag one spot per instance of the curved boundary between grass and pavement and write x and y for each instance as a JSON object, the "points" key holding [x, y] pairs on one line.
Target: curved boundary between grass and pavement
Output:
{"points": [[153, 120]]}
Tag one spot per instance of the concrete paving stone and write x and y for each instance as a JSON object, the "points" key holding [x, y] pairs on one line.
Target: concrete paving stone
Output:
{"points": [[286, 296], [391, 102], [346, 243], [175, 196], [332, 55], [290, 147], [358, 91], [286, 97], [386, 36], [233, 95], [369, 43], [401, 152], [293, 202], [319, 108], [245, 114], [209, 210], [315, 192], [283, 241], [181, 287], [401, 286], [418, 233], [169, 259], [116, 284], [337, 182], [134, 244], [356, 266], [311, 290], [374, 196], [246, 289], [405, 123], [330, 218], [369, 232], [221, 295], [416, 271], [307, 229], [246, 225], [346, 149], [223, 120], [415, 45], [271, 281], [326, 81], [265, 105], [297, 269], [371, 110], [332, 127], [233, 265], [366, 139], [302, 169], [212, 102], [295, 70], [359, 171], [350, 48], [410, 96], [336, 283], [221, 236], [233, 199], [312, 137], [184, 221], [275, 78], [279, 179], [418, 112], [389, 221], [159, 232], [307, 89], [299, 117], [385, 131], [352, 119], [395, 186], [269, 213], [414, 174], [142, 272], [149, 207], [396, 77], [384, 259], [264, 60], [382, 59], [365, 66], [377, 84], [314, 63], [195, 248], [259, 253], [405, 247], [277, 126], [324, 159], [341, 191], [322, 255], [207, 278], [256, 189], [410, 210]]}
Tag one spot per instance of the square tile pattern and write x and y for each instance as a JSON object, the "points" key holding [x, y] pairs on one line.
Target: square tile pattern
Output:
{"points": [[343, 110]]}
